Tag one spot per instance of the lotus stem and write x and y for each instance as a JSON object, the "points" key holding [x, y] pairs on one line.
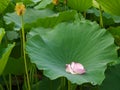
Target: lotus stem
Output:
{"points": [[101, 19], [7, 86], [10, 82], [24, 54], [84, 14], [17, 82], [69, 85]]}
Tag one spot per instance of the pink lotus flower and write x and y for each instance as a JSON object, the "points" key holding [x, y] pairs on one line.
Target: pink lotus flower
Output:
{"points": [[75, 68]]}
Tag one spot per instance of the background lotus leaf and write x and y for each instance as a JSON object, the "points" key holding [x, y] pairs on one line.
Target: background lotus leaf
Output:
{"points": [[45, 18], [4, 55], [4, 52], [110, 6], [82, 42], [80, 5], [112, 80], [43, 4]]}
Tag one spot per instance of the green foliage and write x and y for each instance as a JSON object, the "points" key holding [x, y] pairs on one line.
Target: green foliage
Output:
{"points": [[11, 67], [3, 5], [56, 35], [4, 55], [80, 5], [44, 18], [108, 19], [115, 31], [110, 6], [43, 4], [112, 77], [51, 85], [31, 15], [68, 42], [2, 33]]}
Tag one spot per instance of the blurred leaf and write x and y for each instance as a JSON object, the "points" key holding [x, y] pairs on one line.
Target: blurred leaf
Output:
{"points": [[46, 84], [44, 18], [51, 21], [110, 6], [11, 35], [108, 19], [68, 42], [30, 16], [80, 5], [2, 33], [3, 5], [95, 4], [26, 2], [35, 1], [115, 31], [116, 19], [15, 66], [4, 55], [43, 4], [112, 79]]}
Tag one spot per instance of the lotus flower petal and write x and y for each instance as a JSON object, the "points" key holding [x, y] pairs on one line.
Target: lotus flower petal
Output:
{"points": [[75, 68], [69, 69]]}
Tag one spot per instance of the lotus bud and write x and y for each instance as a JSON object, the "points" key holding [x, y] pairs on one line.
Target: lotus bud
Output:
{"points": [[75, 68], [20, 8]]}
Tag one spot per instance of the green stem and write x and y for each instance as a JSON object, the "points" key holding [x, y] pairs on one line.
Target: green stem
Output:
{"points": [[25, 84], [10, 82], [17, 83], [81, 87], [69, 85], [84, 14], [51, 85], [31, 74], [7, 86], [63, 82], [1, 88], [101, 19], [35, 71], [24, 54], [21, 43]]}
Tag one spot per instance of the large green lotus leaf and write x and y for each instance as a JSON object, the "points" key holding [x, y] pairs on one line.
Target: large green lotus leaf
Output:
{"points": [[82, 42], [112, 79], [2, 32], [3, 5], [4, 55], [110, 6], [80, 5]]}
